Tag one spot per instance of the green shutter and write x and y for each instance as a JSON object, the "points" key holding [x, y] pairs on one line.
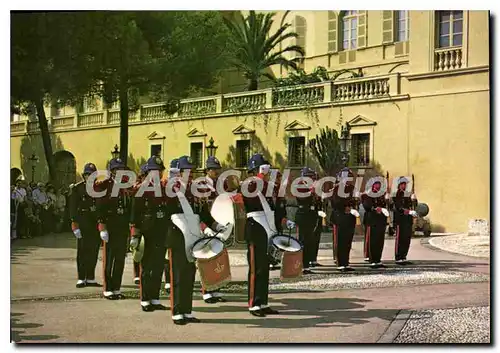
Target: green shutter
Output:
{"points": [[333, 34], [388, 26], [362, 29]]}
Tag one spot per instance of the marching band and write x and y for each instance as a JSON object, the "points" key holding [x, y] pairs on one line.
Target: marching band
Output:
{"points": [[175, 231]]}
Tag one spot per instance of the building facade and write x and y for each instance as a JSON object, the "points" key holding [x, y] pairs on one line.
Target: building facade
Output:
{"points": [[416, 95]]}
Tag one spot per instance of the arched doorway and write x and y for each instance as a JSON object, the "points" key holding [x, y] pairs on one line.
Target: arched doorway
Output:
{"points": [[65, 169], [14, 174]]}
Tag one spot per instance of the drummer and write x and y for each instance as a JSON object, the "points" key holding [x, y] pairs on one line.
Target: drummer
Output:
{"points": [[212, 171], [257, 240], [182, 269]]}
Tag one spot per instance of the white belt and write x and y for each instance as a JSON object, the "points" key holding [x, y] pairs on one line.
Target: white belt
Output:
{"points": [[255, 214]]}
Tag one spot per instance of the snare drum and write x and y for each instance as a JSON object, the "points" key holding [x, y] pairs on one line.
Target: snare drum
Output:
{"points": [[212, 260], [288, 250]]}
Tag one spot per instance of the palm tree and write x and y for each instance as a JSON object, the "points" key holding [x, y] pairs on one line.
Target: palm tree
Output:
{"points": [[257, 49]]}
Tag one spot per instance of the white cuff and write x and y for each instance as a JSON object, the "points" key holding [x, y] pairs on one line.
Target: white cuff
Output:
{"points": [[155, 301], [254, 308], [167, 285], [145, 303], [178, 317], [207, 296], [189, 316], [91, 281], [263, 306], [80, 281], [116, 292], [107, 294], [137, 279]]}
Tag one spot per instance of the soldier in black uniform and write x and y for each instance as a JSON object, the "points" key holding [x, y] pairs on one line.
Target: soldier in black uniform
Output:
{"points": [[318, 229], [142, 174], [257, 241], [213, 168], [403, 220], [173, 172], [344, 213], [182, 268], [84, 225], [150, 219], [375, 224], [307, 218], [113, 217]]}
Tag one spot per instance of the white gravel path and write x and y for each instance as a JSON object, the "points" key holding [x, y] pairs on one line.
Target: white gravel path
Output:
{"points": [[460, 325], [379, 280], [464, 244]]}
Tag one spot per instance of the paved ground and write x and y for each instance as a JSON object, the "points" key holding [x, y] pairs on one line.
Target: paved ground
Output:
{"points": [[324, 307]]}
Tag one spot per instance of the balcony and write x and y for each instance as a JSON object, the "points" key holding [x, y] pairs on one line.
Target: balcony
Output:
{"points": [[315, 95], [448, 59]]}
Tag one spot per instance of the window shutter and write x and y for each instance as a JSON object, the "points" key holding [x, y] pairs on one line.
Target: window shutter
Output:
{"points": [[387, 26], [362, 29], [333, 34]]}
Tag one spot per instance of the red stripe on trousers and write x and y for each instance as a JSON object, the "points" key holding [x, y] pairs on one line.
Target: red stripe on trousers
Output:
{"points": [[252, 277], [335, 244], [104, 259], [397, 242], [170, 265], [368, 252]]}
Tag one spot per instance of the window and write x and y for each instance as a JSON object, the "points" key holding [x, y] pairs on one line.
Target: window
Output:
{"points": [[360, 150], [402, 26], [156, 150], [242, 153], [197, 154], [300, 29], [349, 30], [450, 28], [297, 151]]}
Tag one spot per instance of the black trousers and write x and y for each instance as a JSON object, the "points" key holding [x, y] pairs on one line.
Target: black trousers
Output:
{"points": [[317, 238], [182, 274], [404, 226], [258, 261], [343, 234], [307, 223], [115, 252], [87, 249], [375, 236], [152, 264]]}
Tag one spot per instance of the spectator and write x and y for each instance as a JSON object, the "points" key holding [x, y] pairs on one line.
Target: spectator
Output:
{"points": [[41, 205], [18, 204], [60, 210]]}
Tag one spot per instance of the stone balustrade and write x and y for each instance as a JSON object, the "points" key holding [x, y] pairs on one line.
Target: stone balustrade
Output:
{"points": [[448, 59], [346, 91]]}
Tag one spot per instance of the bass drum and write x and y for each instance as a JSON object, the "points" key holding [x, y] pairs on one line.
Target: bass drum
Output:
{"points": [[229, 210]]}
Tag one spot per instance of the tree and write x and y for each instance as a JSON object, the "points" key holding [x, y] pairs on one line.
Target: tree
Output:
{"points": [[166, 55], [326, 149], [47, 64], [257, 49]]}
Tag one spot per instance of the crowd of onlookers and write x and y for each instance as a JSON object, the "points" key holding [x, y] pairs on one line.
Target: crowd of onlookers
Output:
{"points": [[37, 209]]}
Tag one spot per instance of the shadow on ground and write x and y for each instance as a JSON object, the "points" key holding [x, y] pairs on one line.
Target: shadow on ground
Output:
{"points": [[317, 312], [18, 330], [21, 249]]}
